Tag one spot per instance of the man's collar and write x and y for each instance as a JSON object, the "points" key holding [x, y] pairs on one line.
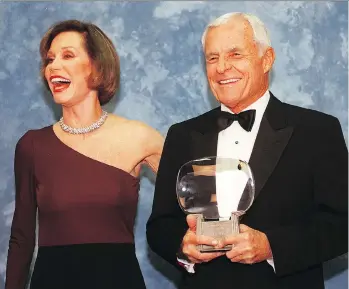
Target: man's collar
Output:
{"points": [[275, 112]]}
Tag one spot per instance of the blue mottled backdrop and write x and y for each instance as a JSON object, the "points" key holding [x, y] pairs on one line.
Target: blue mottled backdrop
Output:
{"points": [[163, 80]]}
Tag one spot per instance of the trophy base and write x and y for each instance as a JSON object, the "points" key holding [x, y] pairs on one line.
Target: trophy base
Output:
{"points": [[218, 230]]}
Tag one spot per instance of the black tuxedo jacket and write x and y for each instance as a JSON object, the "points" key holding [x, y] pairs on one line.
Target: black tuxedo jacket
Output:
{"points": [[300, 165]]}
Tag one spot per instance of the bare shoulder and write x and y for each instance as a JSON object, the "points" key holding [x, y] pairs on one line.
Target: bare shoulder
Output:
{"points": [[144, 129], [115, 120], [150, 138], [136, 130], [145, 142]]}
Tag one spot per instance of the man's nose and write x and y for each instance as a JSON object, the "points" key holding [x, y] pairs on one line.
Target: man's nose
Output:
{"points": [[223, 65]]}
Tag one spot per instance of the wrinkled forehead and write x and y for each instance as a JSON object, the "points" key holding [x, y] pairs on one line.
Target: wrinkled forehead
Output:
{"points": [[237, 32]]}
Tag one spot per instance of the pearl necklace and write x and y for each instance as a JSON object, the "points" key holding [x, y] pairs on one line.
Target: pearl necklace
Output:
{"points": [[83, 130]]}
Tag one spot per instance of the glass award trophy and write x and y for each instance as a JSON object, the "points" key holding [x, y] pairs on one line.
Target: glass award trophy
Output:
{"points": [[219, 191]]}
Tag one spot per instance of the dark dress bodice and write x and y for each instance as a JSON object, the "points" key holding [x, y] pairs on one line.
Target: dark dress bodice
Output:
{"points": [[79, 200]]}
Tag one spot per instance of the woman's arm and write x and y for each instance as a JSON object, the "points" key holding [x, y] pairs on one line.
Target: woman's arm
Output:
{"points": [[152, 142], [22, 239]]}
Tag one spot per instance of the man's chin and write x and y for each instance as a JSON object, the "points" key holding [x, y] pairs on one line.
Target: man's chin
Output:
{"points": [[227, 100]]}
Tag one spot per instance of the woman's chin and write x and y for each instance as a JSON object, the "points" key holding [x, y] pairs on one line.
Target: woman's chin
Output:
{"points": [[60, 98]]}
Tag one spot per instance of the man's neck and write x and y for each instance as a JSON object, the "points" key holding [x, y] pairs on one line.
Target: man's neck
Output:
{"points": [[243, 105]]}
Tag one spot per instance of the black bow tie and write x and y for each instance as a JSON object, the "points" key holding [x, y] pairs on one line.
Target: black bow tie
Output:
{"points": [[245, 119]]}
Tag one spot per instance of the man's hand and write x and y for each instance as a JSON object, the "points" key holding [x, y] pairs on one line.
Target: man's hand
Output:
{"points": [[249, 247], [190, 240]]}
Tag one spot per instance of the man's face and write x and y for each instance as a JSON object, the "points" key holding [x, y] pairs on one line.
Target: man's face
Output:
{"points": [[236, 73]]}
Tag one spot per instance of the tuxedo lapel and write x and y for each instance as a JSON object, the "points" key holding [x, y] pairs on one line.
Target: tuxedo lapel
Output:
{"points": [[204, 136], [204, 145], [272, 138]]}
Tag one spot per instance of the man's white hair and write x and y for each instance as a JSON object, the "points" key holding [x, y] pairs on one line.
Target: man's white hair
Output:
{"points": [[260, 32]]}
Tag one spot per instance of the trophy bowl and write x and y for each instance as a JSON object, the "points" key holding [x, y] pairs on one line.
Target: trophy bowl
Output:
{"points": [[219, 191]]}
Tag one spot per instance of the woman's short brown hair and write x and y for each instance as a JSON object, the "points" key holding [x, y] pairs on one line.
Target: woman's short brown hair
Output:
{"points": [[105, 76]]}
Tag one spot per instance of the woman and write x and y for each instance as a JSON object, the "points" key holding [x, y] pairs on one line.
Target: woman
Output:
{"points": [[80, 173]]}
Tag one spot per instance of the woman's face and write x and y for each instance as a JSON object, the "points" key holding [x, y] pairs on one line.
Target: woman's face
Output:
{"points": [[68, 68]]}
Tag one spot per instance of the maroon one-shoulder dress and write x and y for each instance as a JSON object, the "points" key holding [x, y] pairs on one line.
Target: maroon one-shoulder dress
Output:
{"points": [[86, 212]]}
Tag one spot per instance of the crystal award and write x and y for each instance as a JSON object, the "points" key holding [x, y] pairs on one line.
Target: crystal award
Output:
{"points": [[219, 191]]}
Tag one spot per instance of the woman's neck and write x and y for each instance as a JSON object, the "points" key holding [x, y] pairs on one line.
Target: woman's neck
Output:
{"points": [[82, 114]]}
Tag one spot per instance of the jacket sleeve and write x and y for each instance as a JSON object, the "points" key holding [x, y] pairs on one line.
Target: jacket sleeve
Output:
{"points": [[167, 223], [22, 239], [324, 234]]}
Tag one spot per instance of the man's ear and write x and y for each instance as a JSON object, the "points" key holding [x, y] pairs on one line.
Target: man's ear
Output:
{"points": [[268, 59]]}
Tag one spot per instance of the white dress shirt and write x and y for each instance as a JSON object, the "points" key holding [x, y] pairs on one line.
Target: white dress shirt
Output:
{"points": [[235, 142]]}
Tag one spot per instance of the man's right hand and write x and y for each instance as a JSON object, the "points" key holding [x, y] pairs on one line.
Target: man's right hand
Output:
{"points": [[191, 240]]}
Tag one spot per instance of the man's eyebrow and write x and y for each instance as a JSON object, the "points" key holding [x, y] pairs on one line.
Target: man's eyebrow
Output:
{"points": [[211, 54]]}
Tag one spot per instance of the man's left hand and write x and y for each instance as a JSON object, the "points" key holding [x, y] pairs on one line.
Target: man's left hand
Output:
{"points": [[249, 246]]}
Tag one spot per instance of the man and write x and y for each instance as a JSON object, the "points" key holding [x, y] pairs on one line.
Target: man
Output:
{"points": [[299, 160]]}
